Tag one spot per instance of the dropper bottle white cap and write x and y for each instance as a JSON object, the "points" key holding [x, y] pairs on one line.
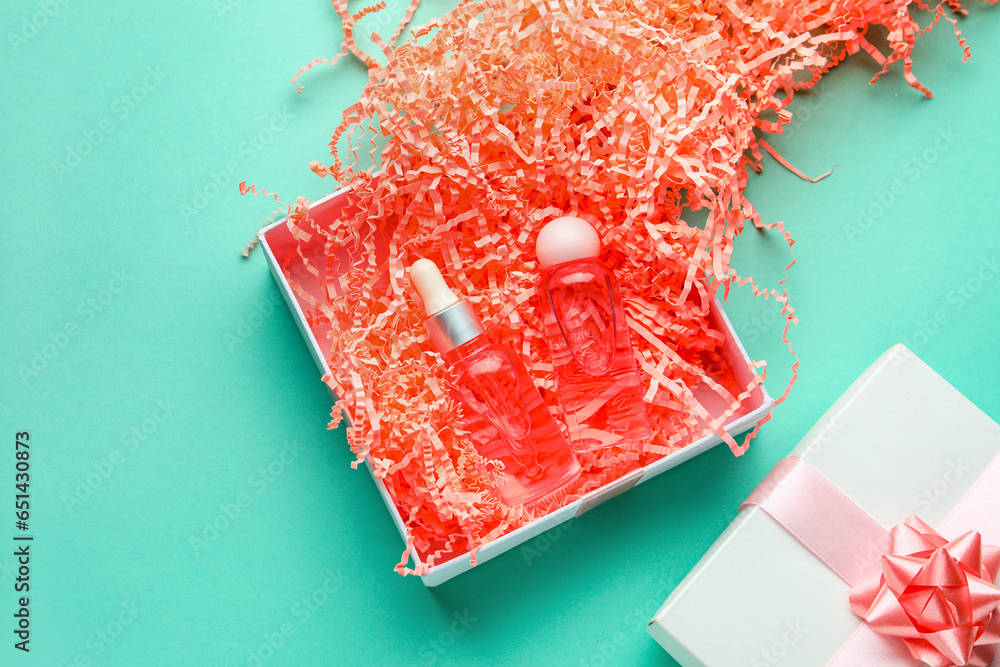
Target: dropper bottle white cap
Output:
{"points": [[451, 321], [430, 284]]}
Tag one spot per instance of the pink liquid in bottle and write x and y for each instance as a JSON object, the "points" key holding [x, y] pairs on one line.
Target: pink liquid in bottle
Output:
{"points": [[503, 412], [599, 386]]}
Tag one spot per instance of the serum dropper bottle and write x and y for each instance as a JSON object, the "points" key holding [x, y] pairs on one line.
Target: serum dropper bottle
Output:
{"points": [[596, 376], [504, 413]]}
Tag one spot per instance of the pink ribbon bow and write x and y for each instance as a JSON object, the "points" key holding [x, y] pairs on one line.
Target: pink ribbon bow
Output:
{"points": [[935, 595]]}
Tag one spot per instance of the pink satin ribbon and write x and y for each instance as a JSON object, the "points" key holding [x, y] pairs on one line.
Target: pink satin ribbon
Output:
{"points": [[852, 544], [822, 518]]}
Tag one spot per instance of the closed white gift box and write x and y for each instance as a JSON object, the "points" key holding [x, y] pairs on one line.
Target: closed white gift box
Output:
{"points": [[900, 441]]}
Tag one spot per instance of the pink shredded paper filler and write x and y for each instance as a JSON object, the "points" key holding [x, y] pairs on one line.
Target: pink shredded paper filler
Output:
{"points": [[503, 114]]}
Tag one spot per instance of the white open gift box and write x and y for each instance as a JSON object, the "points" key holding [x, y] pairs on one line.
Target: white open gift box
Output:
{"points": [[900, 441], [278, 244]]}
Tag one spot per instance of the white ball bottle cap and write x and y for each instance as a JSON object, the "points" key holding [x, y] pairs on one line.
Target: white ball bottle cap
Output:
{"points": [[433, 290], [566, 239]]}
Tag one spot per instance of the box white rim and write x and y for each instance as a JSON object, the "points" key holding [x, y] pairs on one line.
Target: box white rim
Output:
{"points": [[440, 573]]}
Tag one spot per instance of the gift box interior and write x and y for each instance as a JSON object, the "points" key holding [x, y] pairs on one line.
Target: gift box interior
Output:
{"points": [[281, 245]]}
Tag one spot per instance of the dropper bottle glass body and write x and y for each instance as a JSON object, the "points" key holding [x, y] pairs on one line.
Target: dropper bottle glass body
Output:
{"points": [[503, 412]]}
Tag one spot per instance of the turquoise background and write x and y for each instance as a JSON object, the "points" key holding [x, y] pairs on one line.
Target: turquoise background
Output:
{"points": [[184, 380]]}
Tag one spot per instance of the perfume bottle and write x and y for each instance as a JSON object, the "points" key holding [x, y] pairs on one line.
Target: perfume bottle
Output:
{"points": [[505, 414], [595, 371]]}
